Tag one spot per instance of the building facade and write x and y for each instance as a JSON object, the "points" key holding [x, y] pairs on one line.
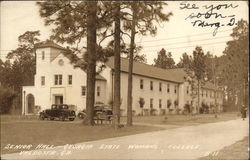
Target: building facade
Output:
{"points": [[57, 81]]}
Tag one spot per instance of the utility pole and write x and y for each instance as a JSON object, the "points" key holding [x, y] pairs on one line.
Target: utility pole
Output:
{"points": [[215, 90]]}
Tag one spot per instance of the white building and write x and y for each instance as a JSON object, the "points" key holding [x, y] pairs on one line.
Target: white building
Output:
{"points": [[58, 81]]}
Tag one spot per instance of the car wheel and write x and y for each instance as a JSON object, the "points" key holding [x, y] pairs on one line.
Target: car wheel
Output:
{"points": [[98, 115], [81, 116], [62, 118], [51, 118], [41, 117], [71, 119]]}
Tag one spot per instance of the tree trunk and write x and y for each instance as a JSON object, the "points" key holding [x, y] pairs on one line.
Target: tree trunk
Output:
{"points": [[130, 70], [117, 61], [198, 109], [91, 66]]}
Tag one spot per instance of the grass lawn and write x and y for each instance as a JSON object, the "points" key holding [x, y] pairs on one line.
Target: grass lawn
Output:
{"points": [[238, 150], [184, 120], [56, 133], [27, 130]]}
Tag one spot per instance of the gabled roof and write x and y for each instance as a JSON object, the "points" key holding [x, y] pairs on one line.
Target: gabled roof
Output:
{"points": [[174, 75], [209, 85], [99, 77], [51, 44]]}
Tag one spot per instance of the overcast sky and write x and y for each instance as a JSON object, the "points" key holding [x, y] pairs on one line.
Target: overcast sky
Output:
{"points": [[176, 36]]}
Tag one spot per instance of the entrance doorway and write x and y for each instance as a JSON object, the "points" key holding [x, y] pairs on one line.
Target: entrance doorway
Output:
{"points": [[30, 103], [59, 99]]}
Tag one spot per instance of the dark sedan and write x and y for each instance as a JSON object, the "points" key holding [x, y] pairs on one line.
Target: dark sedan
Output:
{"points": [[101, 111], [60, 111]]}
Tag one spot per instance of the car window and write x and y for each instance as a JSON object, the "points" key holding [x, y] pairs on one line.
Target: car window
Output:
{"points": [[65, 107], [72, 107]]}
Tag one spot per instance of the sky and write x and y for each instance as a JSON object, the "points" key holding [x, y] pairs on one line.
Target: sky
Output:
{"points": [[177, 36]]}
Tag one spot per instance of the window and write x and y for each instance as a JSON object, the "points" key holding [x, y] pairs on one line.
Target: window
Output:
{"points": [[42, 80], [98, 90], [187, 89], [160, 103], [70, 79], [141, 83], [43, 55], [151, 85], [83, 90], [58, 79], [141, 102], [151, 102], [175, 89], [160, 87], [168, 89]]}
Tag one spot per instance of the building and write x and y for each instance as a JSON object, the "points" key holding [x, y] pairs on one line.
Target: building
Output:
{"points": [[57, 81]]}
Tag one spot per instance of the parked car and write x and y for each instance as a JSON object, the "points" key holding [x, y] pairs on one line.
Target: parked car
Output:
{"points": [[61, 111], [101, 111]]}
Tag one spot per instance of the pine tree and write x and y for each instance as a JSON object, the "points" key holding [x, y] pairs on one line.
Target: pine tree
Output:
{"points": [[141, 20], [164, 60]]}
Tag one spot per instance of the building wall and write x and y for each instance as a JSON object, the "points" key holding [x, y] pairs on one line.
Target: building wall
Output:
{"points": [[72, 93], [183, 94], [207, 96], [146, 93]]}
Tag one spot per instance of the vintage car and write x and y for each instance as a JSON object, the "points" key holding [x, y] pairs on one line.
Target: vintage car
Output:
{"points": [[61, 111], [101, 111]]}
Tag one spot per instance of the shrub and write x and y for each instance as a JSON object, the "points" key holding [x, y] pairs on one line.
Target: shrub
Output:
{"points": [[153, 112], [162, 111], [141, 102], [187, 108], [204, 108], [169, 103], [7, 96], [133, 112]]}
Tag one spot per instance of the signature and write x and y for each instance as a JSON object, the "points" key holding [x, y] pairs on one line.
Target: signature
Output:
{"points": [[209, 15]]}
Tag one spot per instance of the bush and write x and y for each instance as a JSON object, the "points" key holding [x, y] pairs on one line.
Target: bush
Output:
{"points": [[162, 111], [204, 108], [187, 108], [153, 112], [133, 112], [7, 96], [146, 112]]}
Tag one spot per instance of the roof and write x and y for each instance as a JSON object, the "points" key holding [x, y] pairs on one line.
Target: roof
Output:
{"points": [[51, 44], [99, 77], [174, 75], [209, 85]]}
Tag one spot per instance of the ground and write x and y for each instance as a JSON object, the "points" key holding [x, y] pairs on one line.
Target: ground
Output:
{"points": [[184, 120], [238, 150], [29, 130], [185, 142], [59, 133]]}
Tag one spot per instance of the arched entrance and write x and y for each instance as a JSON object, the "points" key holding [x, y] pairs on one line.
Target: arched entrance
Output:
{"points": [[30, 103]]}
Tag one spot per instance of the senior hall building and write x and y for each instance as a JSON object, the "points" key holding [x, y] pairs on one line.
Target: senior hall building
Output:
{"points": [[57, 81]]}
